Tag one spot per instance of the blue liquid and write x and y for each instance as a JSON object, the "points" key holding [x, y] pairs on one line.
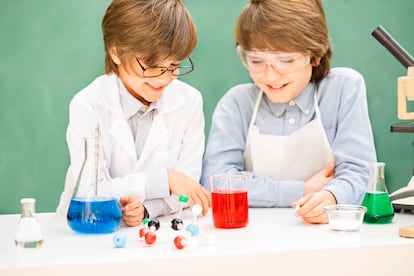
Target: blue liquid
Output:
{"points": [[94, 216]]}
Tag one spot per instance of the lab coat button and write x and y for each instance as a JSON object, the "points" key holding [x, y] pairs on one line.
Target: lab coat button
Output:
{"points": [[292, 103], [291, 121]]}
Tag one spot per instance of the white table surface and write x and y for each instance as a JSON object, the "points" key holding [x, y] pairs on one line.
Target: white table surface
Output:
{"points": [[275, 242]]}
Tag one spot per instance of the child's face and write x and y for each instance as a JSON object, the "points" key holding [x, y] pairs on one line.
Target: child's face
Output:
{"points": [[281, 76], [150, 89]]}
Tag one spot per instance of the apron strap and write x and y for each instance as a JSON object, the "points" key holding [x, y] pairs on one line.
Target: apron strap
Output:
{"points": [[315, 102], [256, 107], [259, 98]]}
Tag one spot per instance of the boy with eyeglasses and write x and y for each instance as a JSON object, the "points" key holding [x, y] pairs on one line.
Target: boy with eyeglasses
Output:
{"points": [[301, 130], [151, 125]]}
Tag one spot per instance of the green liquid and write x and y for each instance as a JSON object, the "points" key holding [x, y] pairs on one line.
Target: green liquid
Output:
{"points": [[379, 208]]}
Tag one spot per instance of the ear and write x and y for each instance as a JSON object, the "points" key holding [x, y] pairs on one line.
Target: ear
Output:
{"points": [[316, 61], [113, 52]]}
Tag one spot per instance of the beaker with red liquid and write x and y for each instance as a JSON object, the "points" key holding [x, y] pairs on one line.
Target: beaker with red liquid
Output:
{"points": [[229, 198]]}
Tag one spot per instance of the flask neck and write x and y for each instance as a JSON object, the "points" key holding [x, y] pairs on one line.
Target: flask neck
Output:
{"points": [[380, 175], [377, 179], [87, 181], [27, 207]]}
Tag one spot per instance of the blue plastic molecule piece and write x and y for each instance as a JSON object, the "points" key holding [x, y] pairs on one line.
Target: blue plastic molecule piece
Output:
{"points": [[119, 240], [192, 229]]}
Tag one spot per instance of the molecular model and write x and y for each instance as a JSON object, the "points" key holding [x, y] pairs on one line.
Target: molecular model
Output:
{"points": [[119, 240], [187, 237], [177, 223], [191, 231], [148, 231]]}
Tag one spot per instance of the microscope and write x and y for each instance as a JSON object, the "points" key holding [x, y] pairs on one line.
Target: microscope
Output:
{"points": [[402, 199]]}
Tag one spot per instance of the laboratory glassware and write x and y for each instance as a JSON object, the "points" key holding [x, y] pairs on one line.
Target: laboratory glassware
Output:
{"points": [[89, 212], [29, 233], [377, 199], [229, 200]]}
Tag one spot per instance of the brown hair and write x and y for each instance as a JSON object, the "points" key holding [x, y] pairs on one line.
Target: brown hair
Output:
{"points": [[156, 29], [287, 25]]}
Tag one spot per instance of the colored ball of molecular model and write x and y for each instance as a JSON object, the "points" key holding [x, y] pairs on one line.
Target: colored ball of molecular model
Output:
{"points": [[180, 242], [119, 240], [147, 233], [154, 224], [150, 237], [177, 224]]}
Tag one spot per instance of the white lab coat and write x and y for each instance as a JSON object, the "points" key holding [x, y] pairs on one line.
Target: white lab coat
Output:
{"points": [[175, 140]]}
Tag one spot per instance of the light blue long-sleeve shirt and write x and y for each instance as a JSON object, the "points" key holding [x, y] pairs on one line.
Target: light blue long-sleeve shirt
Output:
{"points": [[344, 114]]}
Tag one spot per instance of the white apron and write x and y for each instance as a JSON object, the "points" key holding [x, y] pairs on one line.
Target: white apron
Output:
{"points": [[297, 156]]}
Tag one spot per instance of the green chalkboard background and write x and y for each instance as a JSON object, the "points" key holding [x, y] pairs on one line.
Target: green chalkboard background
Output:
{"points": [[50, 49]]}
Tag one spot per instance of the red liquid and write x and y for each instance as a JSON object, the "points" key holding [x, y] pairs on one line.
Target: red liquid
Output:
{"points": [[230, 209]]}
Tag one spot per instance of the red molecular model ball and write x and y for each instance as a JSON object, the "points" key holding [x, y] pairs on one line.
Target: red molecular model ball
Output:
{"points": [[142, 232], [180, 242], [150, 238]]}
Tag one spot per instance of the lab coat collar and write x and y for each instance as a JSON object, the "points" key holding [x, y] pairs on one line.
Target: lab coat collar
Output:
{"points": [[120, 130], [170, 100], [130, 105]]}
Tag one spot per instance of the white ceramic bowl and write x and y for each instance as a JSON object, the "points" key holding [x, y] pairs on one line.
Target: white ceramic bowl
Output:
{"points": [[345, 217]]}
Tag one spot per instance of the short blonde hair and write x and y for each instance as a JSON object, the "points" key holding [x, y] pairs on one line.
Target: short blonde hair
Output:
{"points": [[287, 25], [156, 29]]}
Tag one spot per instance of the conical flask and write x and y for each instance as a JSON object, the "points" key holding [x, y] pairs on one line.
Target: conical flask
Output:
{"points": [[377, 199], [28, 233], [88, 211]]}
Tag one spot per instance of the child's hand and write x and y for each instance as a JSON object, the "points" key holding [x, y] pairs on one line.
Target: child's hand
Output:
{"points": [[182, 184], [132, 211], [311, 206]]}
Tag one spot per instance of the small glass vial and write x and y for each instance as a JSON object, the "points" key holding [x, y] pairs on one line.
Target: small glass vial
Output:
{"points": [[29, 233]]}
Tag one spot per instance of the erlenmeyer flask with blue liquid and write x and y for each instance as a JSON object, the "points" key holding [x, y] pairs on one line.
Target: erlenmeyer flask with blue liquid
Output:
{"points": [[377, 199], [88, 211]]}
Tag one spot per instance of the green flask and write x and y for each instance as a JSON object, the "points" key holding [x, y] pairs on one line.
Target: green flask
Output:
{"points": [[376, 199]]}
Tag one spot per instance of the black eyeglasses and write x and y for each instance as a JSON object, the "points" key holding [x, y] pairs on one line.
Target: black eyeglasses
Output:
{"points": [[155, 71]]}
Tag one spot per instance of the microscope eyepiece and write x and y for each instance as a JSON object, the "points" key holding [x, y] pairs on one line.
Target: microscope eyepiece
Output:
{"points": [[393, 46]]}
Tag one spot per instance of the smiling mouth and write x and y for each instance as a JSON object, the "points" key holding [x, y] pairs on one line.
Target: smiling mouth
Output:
{"points": [[155, 87], [278, 86]]}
